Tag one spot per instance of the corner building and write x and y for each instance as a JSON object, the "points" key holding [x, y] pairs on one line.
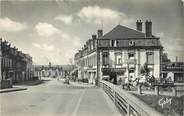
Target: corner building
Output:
{"points": [[122, 52]]}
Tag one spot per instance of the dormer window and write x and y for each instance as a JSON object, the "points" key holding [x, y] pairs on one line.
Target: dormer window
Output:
{"points": [[113, 43]]}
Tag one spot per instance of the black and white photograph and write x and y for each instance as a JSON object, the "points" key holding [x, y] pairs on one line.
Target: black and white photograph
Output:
{"points": [[91, 57]]}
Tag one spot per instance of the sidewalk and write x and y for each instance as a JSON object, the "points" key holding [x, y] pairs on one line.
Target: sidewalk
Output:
{"points": [[78, 84], [12, 89]]}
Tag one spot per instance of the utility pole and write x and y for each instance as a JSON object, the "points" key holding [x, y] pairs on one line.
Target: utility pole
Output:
{"points": [[98, 64], [100, 34]]}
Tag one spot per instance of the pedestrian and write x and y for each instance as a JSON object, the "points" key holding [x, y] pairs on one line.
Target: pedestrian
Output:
{"points": [[127, 83], [119, 81]]}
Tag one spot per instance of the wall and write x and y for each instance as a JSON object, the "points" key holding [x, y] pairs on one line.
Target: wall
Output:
{"points": [[157, 64]]}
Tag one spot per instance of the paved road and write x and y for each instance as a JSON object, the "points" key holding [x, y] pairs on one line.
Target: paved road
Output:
{"points": [[53, 98]]}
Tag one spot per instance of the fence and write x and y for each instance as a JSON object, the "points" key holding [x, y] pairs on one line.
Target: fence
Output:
{"points": [[126, 102]]}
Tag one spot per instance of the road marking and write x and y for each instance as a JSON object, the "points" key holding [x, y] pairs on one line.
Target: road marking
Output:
{"points": [[78, 103]]}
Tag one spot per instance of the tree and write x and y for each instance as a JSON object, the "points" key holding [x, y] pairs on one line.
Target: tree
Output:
{"points": [[146, 72]]}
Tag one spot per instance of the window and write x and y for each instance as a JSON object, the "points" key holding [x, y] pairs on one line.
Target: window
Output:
{"points": [[131, 54], [118, 58], [105, 58], [150, 58], [119, 61], [117, 42], [114, 43], [131, 70], [131, 43], [94, 60]]}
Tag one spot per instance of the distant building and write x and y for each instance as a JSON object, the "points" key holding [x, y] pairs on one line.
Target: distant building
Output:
{"points": [[174, 71], [120, 53], [15, 65], [52, 70]]}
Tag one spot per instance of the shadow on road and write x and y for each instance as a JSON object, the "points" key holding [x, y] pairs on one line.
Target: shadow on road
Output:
{"points": [[32, 83]]}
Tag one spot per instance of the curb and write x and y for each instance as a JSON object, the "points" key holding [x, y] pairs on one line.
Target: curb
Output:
{"points": [[81, 84], [13, 89], [30, 84]]}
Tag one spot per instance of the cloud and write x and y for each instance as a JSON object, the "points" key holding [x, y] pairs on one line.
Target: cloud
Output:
{"points": [[76, 41], [67, 19], [9, 25], [55, 52], [73, 41], [44, 47], [46, 29], [97, 15], [168, 43]]}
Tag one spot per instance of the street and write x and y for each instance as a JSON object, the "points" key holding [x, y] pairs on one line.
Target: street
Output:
{"points": [[53, 98]]}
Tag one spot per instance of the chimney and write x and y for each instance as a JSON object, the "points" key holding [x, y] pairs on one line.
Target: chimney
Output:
{"points": [[148, 28], [93, 36], [176, 58], [100, 33], [139, 25]]}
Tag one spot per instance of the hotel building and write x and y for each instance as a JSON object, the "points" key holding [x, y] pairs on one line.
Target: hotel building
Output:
{"points": [[120, 53]]}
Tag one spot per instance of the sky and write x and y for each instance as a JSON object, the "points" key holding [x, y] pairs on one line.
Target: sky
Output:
{"points": [[54, 30]]}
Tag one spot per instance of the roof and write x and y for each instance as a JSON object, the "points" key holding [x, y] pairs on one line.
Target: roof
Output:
{"points": [[122, 32]]}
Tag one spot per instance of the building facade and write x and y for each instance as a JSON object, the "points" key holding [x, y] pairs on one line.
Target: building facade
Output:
{"points": [[120, 53], [173, 71], [15, 65]]}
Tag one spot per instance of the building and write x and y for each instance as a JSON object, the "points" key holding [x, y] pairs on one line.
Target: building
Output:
{"points": [[173, 71], [120, 53], [15, 65], [52, 70]]}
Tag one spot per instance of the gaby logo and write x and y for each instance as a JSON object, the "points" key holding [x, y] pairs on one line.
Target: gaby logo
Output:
{"points": [[163, 101]]}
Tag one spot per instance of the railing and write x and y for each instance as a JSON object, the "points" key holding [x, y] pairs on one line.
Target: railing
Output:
{"points": [[126, 102]]}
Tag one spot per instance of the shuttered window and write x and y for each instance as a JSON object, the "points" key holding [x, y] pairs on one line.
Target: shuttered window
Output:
{"points": [[105, 58]]}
